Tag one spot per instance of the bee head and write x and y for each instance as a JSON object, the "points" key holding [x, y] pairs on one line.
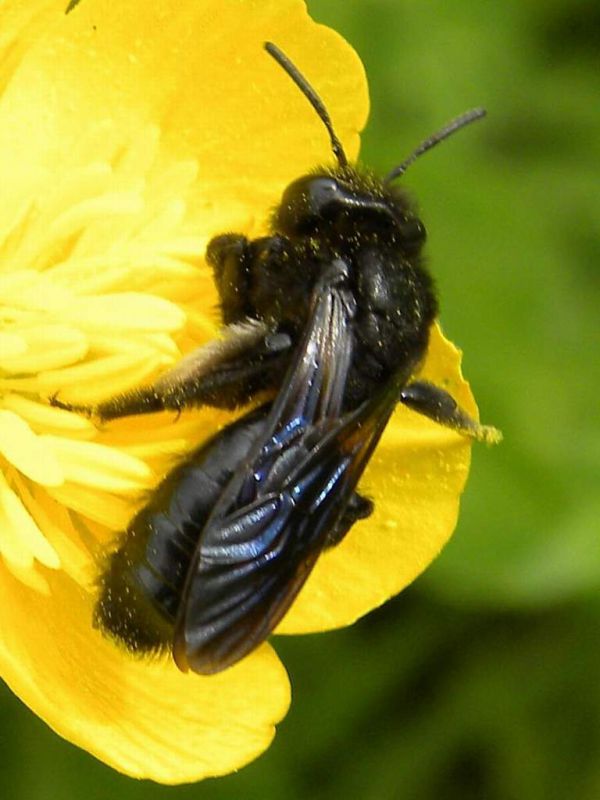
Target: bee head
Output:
{"points": [[348, 202], [311, 201]]}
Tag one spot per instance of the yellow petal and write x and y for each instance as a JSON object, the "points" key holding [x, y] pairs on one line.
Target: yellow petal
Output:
{"points": [[27, 289], [44, 418], [28, 452], [48, 347], [57, 527], [415, 478], [11, 345], [99, 466], [141, 716], [151, 343], [21, 540], [10, 543], [126, 311], [110, 510], [30, 577], [197, 89]]}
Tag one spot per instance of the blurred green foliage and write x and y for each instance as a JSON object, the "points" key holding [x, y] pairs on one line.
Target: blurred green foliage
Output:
{"points": [[482, 680]]}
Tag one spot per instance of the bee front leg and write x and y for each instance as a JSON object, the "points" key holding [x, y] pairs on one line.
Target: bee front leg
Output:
{"points": [[438, 405], [260, 279], [231, 259]]}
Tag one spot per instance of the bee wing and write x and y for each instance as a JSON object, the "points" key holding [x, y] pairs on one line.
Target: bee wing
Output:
{"points": [[271, 522], [252, 564]]}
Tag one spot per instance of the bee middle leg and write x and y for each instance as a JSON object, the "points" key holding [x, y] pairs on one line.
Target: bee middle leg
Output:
{"points": [[437, 404]]}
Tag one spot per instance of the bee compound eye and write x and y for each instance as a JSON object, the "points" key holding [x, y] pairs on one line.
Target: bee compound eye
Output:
{"points": [[307, 202], [323, 192]]}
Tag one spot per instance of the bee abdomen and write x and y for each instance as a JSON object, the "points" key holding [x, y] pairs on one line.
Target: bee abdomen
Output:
{"points": [[142, 585], [126, 611]]}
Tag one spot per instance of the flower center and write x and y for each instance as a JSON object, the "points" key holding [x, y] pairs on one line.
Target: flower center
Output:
{"points": [[96, 276]]}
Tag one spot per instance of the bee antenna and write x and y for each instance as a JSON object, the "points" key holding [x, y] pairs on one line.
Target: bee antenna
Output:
{"points": [[454, 125], [312, 97]]}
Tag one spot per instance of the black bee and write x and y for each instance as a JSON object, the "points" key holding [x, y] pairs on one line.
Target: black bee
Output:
{"points": [[329, 316]]}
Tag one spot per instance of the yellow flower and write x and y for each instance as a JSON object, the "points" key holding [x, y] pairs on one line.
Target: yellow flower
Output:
{"points": [[130, 134]]}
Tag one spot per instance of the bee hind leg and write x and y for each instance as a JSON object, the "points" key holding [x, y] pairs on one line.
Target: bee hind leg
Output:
{"points": [[138, 401], [359, 507], [226, 373]]}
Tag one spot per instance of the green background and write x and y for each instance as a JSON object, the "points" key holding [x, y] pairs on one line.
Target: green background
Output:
{"points": [[482, 680]]}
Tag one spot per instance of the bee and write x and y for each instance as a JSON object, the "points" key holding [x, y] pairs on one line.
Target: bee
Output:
{"points": [[328, 316]]}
